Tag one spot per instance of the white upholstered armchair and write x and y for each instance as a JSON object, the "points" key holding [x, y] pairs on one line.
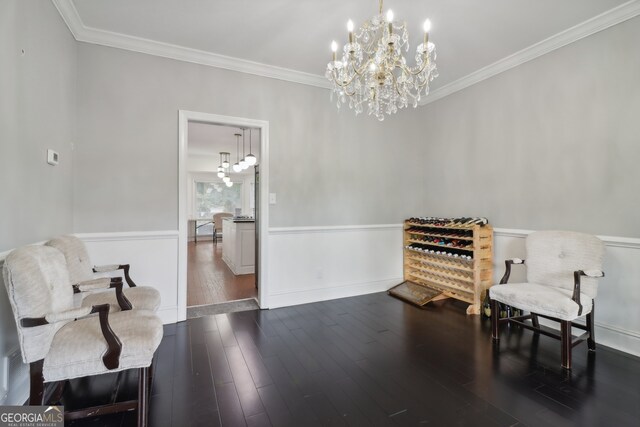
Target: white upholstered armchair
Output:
{"points": [[60, 341], [82, 277], [562, 271]]}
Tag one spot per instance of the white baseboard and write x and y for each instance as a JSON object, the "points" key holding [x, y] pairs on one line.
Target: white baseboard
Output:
{"points": [[168, 314], [305, 296], [15, 383]]}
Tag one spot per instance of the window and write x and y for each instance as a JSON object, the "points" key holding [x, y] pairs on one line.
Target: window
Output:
{"points": [[213, 197]]}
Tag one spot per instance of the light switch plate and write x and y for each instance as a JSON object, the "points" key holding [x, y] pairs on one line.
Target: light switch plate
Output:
{"points": [[272, 198], [52, 157]]}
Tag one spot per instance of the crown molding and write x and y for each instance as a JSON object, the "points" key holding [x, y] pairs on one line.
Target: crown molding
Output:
{"points": [[584, 29], [86, 34]]}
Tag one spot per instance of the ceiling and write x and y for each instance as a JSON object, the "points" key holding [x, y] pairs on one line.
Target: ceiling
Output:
{"points": [[209, 140], [296, 34]]}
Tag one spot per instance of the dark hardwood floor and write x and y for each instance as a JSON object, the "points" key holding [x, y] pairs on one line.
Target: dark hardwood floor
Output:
{"points": [[371, 360], [210, 280]]}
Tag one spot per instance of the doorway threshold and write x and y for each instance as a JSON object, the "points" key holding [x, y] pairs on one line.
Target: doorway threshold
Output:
{"points": [[222, 308]]}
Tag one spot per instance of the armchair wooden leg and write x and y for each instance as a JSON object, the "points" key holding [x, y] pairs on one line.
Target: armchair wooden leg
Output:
{"points": [[565, 342], [151, 369], [143, 396], [36, 386], [495, 319], [535, 322], [591, 341]]}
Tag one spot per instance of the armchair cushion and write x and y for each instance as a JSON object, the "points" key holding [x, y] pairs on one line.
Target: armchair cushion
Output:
{"points": [[77, 347], [141, 298], [94, 284], [37, 283], [78, 262], [106, 268], [71, 314], [81, 272], [540, 299], [553, 256]]}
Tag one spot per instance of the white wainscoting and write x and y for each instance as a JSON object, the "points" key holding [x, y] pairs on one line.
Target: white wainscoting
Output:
{"points": [[617, 313], [153, 256], [308, 264]]}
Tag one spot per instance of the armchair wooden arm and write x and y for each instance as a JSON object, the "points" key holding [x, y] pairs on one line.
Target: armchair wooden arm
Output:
{"points": [[114, 267], [576, 284], [111, 358], [105, 283], [508, 263]]}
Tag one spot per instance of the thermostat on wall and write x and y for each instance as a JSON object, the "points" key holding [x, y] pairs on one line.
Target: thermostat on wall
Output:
{"points": [[52, 157]]}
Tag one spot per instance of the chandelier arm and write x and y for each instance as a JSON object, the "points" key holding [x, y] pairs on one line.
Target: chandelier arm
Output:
{"points": [[364, 67], [346, 91], [345, 83], [418, 71]]}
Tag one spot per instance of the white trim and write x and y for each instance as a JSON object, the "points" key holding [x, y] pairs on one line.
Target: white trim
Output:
{"points": [[584, 29], [127, 235], [21, 389], [4, 254], [184, 117], [168, 314], [97, 36], [614, 241], [618, 329], [332, 228], [304, 296]]}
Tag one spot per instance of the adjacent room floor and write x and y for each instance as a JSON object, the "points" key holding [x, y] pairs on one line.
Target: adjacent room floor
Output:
{"points": [[210, 281]]}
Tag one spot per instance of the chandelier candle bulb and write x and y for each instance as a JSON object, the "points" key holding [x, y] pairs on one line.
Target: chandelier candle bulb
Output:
{"points": [[390, 21], [426, 27], [350, 30], [334, 49]]}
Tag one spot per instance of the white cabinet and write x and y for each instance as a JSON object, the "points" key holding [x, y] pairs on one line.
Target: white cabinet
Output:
{"points": [[239, 245]]}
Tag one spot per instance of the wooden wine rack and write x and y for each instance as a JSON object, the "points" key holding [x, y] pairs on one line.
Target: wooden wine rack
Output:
{"points": [[455, 277]]}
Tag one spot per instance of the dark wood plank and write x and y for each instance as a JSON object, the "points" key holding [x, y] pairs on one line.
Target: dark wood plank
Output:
{"points": [[369, 360]]}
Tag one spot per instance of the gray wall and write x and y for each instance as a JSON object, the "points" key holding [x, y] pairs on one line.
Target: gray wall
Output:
{"points": [[551, 144], [326, 167], [37, 111]]}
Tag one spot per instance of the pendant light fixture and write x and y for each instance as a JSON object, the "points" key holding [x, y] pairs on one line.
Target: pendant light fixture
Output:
{"points": [[243, 162], [225, 161], [221, 168], [251, 159], [236, 165]]}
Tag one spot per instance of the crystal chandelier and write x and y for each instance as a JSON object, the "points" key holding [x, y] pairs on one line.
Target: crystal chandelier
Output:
{"points": [[373, 71]]}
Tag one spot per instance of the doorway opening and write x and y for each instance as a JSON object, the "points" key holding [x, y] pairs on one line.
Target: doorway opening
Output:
{"points": [[222, 240]]}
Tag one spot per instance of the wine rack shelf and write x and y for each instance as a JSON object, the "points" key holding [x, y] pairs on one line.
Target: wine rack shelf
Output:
{"points": [[451, 258]]}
